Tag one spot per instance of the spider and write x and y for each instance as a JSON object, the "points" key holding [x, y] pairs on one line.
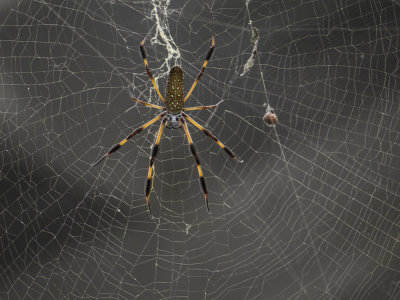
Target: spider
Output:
{"points": [[173, 117], [270, 117]]}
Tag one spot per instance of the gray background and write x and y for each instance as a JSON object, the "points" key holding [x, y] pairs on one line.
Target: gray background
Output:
{"points": [[312, 213]]}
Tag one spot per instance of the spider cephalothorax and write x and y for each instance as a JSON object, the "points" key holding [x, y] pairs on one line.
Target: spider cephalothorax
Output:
{"points": [[173, 117], [174, 121]]}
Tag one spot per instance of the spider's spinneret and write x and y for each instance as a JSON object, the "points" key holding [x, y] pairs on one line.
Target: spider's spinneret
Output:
{"points": [[174, 91]]}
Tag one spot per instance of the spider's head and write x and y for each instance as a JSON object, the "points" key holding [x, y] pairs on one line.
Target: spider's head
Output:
{"points": [[174, 121]]}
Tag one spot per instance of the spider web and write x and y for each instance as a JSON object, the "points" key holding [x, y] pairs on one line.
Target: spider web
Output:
{"points": [[312, 213]]}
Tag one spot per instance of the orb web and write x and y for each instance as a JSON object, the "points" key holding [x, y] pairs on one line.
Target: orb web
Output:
{"points": [[312, 213]]}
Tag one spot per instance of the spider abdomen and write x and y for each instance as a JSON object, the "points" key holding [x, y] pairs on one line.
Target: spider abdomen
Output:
{"points": [[174, 93]]}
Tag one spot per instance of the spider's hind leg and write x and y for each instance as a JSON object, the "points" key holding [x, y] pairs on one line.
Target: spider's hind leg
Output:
{"points": [[144, 56], [209, 54]]}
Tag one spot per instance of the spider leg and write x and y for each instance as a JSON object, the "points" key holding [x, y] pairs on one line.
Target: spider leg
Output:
{"points": [[210, 52], [143, 52], [203, 107], [200, 107], [154, 152], [147, 104], [135, 132], [196, 158], [210, 135]]}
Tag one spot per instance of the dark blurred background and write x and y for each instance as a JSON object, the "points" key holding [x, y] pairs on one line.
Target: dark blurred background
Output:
{"points": [[312, 213]]}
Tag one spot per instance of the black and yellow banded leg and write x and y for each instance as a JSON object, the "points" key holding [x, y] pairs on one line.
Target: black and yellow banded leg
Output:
{"points": [[135, 132], [143, 52], [154, 151], [196, 158], [209, 54], [200, 107], [147, 104], [210, 135]]}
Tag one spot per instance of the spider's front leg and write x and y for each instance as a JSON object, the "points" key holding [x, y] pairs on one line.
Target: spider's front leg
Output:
{"points": [[154, 152], [135, 132], [196, 158], [213, 137]]}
